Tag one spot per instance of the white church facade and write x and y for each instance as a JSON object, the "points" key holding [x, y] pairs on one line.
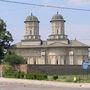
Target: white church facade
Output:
{"points": [[57, 49]]}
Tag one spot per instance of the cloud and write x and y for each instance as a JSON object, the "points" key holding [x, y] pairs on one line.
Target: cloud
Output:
{"points": [[80, 1]]}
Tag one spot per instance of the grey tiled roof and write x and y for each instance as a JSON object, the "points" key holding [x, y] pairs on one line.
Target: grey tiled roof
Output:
{"points": [[72, 43], [77, 43]]}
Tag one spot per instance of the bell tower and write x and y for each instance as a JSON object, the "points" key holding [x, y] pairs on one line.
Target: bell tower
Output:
{"points": [[57, 26], [31, 28], [31, 36]]}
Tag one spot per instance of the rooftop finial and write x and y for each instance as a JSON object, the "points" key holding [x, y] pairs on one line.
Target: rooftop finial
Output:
{"points": [[31, 14]]}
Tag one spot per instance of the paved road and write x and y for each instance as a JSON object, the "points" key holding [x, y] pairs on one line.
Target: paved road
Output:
{"points": [[21, 86], [15, 85]]}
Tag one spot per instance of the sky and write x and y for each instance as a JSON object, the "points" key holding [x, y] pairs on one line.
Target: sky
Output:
{"points": [[77, 23]]}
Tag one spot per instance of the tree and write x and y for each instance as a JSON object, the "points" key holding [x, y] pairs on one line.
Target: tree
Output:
{"points": [[5, 39], [14, 59]]}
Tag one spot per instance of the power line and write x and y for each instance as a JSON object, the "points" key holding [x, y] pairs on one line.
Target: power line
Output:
{"points": [[42, 5]]}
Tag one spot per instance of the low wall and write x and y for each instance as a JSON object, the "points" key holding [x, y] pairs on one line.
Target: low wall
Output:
{"points": [[52, 69], [21, 67], [57, 69]]}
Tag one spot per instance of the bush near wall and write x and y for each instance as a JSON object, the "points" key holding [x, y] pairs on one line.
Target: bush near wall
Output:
{"points": [[55, 77], [19, 75], [36, 76], [30, 76], [41, 76], [9, 73]]}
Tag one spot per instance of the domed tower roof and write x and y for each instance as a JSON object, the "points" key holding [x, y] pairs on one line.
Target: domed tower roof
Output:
{"points": [[57, 17], [2, 22], [31, 18]]}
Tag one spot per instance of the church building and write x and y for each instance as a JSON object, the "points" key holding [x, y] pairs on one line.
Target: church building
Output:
{"points": [[58, 49]]}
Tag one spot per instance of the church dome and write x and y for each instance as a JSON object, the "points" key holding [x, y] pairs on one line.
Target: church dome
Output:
{"points": [[57, 17], [31, 18]]}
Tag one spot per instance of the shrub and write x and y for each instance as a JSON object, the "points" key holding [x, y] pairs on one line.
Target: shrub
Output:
{"points": [[22, 74], [41, 76], [19, 74], [14, 59], [55, 77], [30, 76], [36, 76], [8, 71]]}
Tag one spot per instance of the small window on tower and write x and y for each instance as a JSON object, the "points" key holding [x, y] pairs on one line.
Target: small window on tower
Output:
{"points": [[30, 32], [57, 31]]}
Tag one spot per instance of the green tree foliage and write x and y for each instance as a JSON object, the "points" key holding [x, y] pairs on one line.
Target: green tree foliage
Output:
{"points": [[5, 39], [14, 59]]}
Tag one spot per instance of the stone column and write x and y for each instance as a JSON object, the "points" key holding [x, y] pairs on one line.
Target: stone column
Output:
{"points": [[28, 60], [43, 55], [53, 61], [59, 62], [31, 60], [62, 60]]}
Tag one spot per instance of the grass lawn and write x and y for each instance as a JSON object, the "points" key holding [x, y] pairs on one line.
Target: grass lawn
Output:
{"points": [[71, 78]]}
